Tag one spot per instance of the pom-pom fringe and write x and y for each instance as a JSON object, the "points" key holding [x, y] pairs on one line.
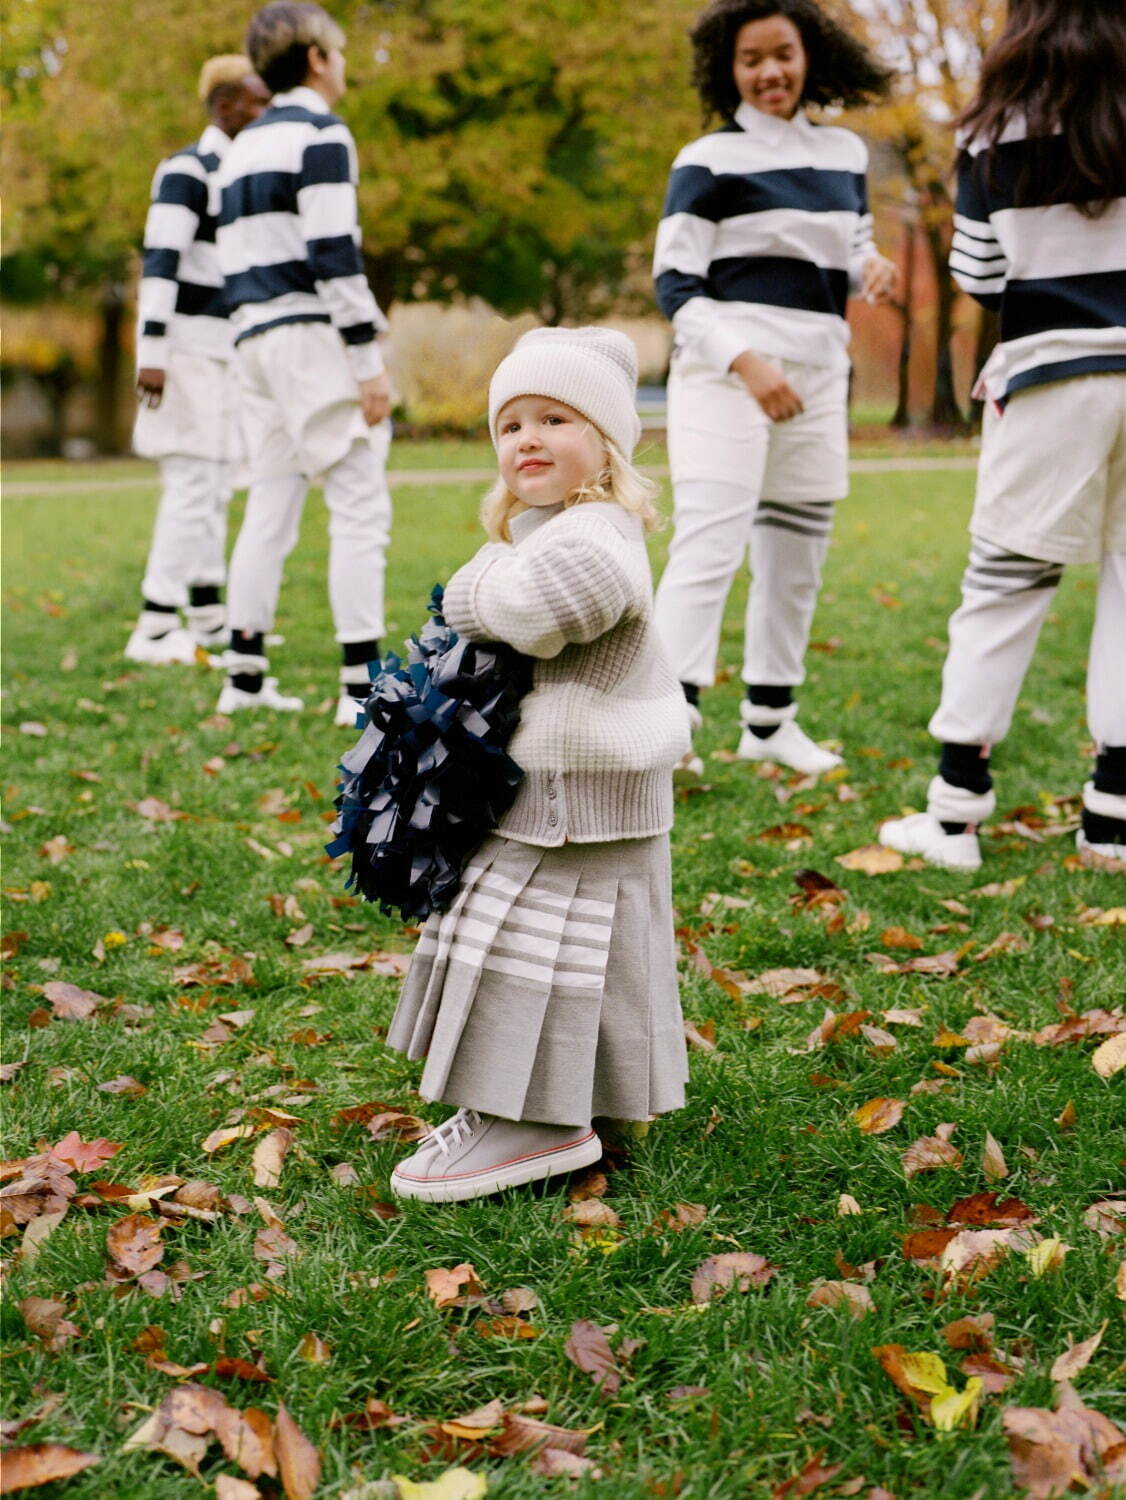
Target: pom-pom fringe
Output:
{"points": [[429, 777]]}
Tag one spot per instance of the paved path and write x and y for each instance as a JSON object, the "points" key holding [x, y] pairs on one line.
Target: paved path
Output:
{"points": [[400, 478]]}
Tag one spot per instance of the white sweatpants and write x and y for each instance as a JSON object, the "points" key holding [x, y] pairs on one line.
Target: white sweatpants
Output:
{"points": [[716, 527], [190, 535], [993, 634], [359, 507]]}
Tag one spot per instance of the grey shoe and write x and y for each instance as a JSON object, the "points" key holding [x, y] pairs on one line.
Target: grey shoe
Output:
{"points": [[471, 1155]]}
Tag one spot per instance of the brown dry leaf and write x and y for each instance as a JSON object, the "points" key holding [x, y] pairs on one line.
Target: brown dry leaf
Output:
{"points": [[974, 1333], [899, 937], [44, 1318], [833, 1293], [847, 1204], [872, 859], [228, 1487], [269, 1156], [942, 964], [1109, 1057], [41, 1463], [741, 1269], [930, 1152], [878, 1115], [680, 1217], [1071, 1447], [475, 1424], [1005, 942], [123, 1085], [981, 1209], [881, 1043], [977, 1251], [1120, 1281], [1107, 1218], [793, 835], [817, 890], [394, 1125], [226, 1135], [1077, 1357], [918, 1375], [698, 1036], [300, 936], [523, 1434], [519, 1299], [155, 810], [927, 1245], [557, 1463], [231, 1367], [504, 1327], [445, 1288], [134, 1244], [1001, 887], [1067, 1116], [55, 850], [158, 1434], [779, 982], [814, 1473], [71, 1003], [299, 1463], [314, 1349], [588, 1348], [994, 1375], [993, 1164], [592, 1213], [85, 1156]]}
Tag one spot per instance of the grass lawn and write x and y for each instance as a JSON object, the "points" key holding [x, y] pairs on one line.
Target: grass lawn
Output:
{"points": [[729, 1399]]}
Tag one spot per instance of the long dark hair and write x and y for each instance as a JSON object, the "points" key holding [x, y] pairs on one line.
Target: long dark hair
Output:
{"points": [[1059, 64], [841, 69]]}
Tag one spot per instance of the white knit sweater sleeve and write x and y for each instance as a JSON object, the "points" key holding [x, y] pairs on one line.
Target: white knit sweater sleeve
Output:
{"points": [[570, 589]]}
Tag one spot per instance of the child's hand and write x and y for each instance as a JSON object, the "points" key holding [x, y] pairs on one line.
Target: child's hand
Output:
{"points": [[880, 280], [767, 384], [150, 386], [375, 398]]}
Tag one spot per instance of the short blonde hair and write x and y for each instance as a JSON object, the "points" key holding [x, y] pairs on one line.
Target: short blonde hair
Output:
{"points": [[279, 37], [228, 68], [617, 481]]}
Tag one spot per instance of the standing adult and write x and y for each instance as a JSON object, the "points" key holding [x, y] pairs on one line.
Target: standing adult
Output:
{"points": [[765, 230], [1040, 236], [186, 418], [314, 397]]}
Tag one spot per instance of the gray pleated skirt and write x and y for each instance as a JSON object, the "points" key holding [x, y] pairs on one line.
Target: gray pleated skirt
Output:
{"points": [[548, 991]]}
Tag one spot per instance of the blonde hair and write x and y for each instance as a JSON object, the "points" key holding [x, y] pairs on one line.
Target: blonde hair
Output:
{"points": [[229, 68], [280, 35], [617, 481]]}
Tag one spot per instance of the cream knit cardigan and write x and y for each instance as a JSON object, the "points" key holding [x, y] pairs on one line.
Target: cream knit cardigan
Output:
{"points": [[606, 720]]}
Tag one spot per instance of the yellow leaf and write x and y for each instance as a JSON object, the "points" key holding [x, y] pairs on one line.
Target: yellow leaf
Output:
{"points": [[226, 1137], [1112, 918], [951, 1408], [1120, 1281], [1110, 1057], [1046, 1256], [454, 1484], [872, 859], [926, 1372]]}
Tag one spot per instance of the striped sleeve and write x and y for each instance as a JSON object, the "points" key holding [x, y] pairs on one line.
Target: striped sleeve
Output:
{"points": [[863, 245], [977, 261], [179, 203], [326, 206], [686, 238]]}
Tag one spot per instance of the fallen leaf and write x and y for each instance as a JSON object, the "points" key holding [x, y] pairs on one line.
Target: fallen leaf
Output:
{"points": [[588, 1348], [1107, 1218], [993, 1163], [226, 1136], [71, 1003], [1077, 1357], [445, 1287], [857, 1298], [813, 1474], [454, 1484], [899, 937], [41, 1463], [44, 1318], [779, 982], [1109, 1057], [878, 1115], [680, 1217], [592, 1213], [123, 1085], [85, 1156], [919, 1376], [930, 1152], [740, 1268], [314, 1349], [231, 1367], [974, 1332], [300, 936], [1047, 1256], [988, 1208], [299, 1463], [995, 1376], [155, 810], [228, 1487], [872, 859], [1054, 1451], [1001, 887], [1005, 942], [847, 1204], [55, 850], [950, 1409], [269, 1156], [524, 1434]]}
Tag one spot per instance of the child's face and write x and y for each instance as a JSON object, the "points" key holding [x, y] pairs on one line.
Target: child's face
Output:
{"points": [[546, 449], [327, 66], [770, 65]]}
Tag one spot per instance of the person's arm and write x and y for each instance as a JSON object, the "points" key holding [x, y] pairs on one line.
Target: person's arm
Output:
{"points": [[977, 261], [569, 592], [872, 275], [179, 202], [326, 205]]}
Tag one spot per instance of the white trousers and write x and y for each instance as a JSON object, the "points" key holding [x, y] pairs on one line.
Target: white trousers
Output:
{"points": [[190, 535], [993, 634], [359, 510], [717, 526]]}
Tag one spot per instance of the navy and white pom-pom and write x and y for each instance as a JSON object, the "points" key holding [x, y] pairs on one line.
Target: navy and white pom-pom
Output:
{"points": [[430, 776]]}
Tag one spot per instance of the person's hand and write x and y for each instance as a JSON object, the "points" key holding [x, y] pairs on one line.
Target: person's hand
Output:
{"points": [[880, 279], [767, 384], [375, 398], [150, 386]]}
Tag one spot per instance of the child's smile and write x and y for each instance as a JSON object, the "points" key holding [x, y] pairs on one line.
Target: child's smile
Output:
{"points": [[546, 450]]}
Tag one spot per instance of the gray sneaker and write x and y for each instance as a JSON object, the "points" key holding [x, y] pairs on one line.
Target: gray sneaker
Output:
{"points": [[471, 1155]]}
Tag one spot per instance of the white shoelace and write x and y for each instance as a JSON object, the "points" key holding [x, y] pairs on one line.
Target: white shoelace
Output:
{"points": [[454, 1131]]}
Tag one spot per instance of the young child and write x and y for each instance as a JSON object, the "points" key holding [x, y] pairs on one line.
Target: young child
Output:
{"points": [[547, 994], [186, 419], [765, 230], [314, 396], [1040, 235]]}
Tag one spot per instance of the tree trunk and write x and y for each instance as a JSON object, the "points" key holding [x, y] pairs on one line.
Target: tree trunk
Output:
{"points": [[109, 369], [902, 415], [945, 411]]}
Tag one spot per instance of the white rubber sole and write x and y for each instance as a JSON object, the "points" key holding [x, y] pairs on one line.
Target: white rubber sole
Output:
{"points": [[569, 1157]]}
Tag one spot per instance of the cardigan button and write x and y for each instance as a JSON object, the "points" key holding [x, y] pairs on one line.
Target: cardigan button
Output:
{"points": [[552, 793], [552, 819]]}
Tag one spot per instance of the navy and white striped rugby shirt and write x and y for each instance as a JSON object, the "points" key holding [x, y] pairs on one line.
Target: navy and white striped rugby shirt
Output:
{"points": [[764, 232], [289, 233], [1057, 279], [180, 301]]}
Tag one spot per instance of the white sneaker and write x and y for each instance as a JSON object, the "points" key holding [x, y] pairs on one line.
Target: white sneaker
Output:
{"points": [[689, 768], [471, 1155], [1110, 858], [176, 648], [789, 745], [232, 699], [923, 834], [348, 710], [1098, 808]]}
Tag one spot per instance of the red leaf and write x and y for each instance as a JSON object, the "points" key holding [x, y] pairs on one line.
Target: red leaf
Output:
{"points": [[85, 1156]]}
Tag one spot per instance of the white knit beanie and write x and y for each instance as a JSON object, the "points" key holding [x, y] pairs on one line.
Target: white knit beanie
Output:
{"points": [[593, 370]]}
